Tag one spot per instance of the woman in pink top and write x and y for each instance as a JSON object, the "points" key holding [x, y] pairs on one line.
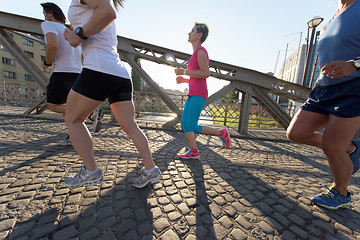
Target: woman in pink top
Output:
{"points": [[198, 71]]}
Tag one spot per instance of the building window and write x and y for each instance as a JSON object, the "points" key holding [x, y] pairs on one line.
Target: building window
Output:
{"points": [[2, 47], [30, 54], [42, 58], [27, 42], [42, 47], [8, 61], [9, 74], [29, 77]]}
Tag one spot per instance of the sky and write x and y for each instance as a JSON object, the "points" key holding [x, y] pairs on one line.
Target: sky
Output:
{"points": [[250, 34]]}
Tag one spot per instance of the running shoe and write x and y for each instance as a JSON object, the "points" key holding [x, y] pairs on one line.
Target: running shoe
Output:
{"points": [[82, 178], [190, 155], [225, 137], [96, 118], [65, 142], [144, 179], [332, 199], [355, 157]]}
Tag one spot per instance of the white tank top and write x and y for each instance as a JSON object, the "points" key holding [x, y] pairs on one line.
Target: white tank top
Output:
{"points": [[68, 59], [100, 50]]}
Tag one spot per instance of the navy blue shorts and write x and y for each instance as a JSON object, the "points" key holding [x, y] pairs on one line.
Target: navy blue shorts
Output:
{"points": [[101, 86], [341, 100], [59, 86]]}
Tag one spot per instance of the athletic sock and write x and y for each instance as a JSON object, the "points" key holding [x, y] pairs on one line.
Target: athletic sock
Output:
{"points": [[150, 170], [91, 173]]}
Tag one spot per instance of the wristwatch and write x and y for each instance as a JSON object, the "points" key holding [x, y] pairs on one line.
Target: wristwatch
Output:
{"points": [[79, 32], [356, 64], [48, 65]]}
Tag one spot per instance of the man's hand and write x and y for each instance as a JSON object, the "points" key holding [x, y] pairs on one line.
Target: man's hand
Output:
{"points": [[337, 69]]}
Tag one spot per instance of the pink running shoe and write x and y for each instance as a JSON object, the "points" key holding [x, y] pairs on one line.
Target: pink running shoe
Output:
{"points": [[190, 155], [225, 137]]}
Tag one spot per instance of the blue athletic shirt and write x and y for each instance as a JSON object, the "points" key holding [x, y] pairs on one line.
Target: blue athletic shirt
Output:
{"points": [[340, 41]]}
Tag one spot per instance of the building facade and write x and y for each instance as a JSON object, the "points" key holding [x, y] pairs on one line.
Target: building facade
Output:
{"points": [[11, 72], [17, 86], [293, 70]]}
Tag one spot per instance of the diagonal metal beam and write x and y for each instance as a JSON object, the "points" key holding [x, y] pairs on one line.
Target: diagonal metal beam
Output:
{"points": [[219, 94], [24, 60], [264, 99], [130, 59]]}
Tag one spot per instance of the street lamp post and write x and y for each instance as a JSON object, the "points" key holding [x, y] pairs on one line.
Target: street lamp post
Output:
{"points": [[313, 23]]}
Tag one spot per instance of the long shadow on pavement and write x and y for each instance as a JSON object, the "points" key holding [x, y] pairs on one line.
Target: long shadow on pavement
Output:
{"points": [[116, 210]]}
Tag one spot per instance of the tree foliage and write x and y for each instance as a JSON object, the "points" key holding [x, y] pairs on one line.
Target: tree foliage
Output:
{"points": [[136, 79]]}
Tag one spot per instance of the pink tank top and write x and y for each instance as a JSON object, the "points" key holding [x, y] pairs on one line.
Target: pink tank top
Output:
{"points": [[197, 86]]}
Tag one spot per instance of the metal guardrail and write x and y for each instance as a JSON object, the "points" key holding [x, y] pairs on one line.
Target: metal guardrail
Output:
{"points": [[252, 84]]}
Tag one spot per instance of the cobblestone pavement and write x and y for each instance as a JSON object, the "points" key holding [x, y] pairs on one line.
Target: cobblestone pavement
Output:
{"points": [[258, 189]]}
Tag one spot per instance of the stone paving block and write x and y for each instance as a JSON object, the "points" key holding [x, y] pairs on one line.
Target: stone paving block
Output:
{"points": [[156, 212], [288, 235], [125, 226], [243, 222], [21, 229], [66, 233], [324, 226], [41, 231], [173, 216], [145, 228], [184, 209], [266, 227], [161, 224], [169, 234], [298, 231], [92, 233], [87, 222], [107, 235], [176, 198], [7, 224], [226, 222]]}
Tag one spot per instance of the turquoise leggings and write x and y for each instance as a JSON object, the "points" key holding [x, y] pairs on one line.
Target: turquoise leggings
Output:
{"points": [[191, 114]]}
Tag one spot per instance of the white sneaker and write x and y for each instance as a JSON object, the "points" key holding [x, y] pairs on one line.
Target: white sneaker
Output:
{"points": [[65, 142], [96, 118], [82, 178], [144, 178]]}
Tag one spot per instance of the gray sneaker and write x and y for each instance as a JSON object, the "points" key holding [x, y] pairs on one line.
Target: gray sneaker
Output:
{"points": [[96, 117], [144, 178], [65, 142], [82, 178]]}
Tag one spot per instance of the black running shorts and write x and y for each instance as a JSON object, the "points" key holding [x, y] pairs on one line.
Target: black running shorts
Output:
{"points": [[99, 86], [59, 86], [341, 100]]}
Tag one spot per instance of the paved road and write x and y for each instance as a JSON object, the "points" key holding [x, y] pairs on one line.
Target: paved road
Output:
{"points": [[258, 189]]}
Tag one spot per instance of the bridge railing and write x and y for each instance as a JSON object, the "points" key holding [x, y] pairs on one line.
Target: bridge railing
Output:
{"points": [[149, 106], [253, 85]]}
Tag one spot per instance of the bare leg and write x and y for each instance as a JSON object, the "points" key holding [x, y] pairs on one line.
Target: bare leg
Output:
{"points": [[303, 127], [78, 109], [124, 113], [190, 137], [58, 108], [210, 131], [336, 141]]}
